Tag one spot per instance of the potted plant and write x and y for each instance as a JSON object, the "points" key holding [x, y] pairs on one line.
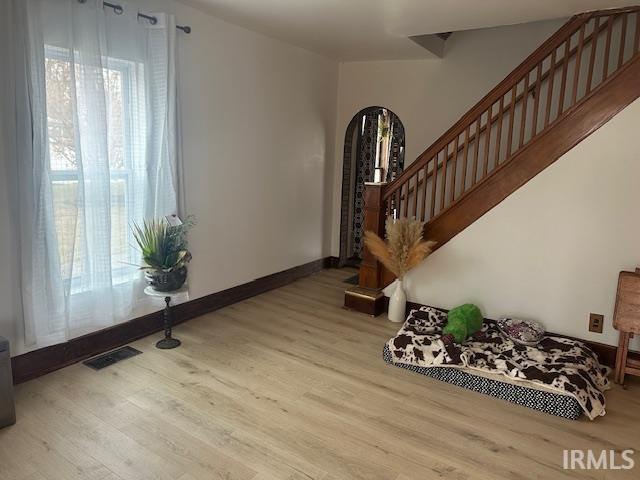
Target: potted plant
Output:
{"points": [[164, 253], [403, 250]]}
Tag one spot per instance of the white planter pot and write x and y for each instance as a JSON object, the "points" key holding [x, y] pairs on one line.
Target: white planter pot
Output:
{"points": [[397, 304]]}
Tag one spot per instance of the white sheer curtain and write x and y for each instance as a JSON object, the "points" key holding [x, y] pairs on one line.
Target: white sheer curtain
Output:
{"points": [[96, 107]]}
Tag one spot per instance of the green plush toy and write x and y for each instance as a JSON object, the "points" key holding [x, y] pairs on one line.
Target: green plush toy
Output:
{"points": [[463, 321]]}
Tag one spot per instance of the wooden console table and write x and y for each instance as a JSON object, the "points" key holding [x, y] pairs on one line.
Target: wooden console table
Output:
{"points": [[626, 319]]}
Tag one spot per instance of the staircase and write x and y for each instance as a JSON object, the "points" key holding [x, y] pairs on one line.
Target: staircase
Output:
{"points": [[576, 81]]}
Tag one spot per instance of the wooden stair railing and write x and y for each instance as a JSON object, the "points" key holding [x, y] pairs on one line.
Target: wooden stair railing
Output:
{"points": [[572, 84], [532, 91]]}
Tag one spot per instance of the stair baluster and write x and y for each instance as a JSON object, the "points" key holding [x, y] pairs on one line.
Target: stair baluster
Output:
{"points": [[435, 184]]}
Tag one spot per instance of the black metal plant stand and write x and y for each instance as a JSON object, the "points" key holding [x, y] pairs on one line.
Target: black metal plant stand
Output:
{"points": [[168, 341]]}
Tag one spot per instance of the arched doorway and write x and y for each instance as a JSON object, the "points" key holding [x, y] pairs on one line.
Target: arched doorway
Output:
{"points": [[373, 151]]}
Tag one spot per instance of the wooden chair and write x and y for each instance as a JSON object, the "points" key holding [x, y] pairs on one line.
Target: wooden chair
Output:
{"points": [[626, 319]]}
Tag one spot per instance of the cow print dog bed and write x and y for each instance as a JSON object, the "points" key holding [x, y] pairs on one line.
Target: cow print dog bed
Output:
{"points": [[560, 376]]}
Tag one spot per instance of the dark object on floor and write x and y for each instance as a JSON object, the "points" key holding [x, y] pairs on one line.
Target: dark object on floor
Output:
{"points": [[353, 280], [109, 358], [167, 342], [547, 402], [7, 406]]}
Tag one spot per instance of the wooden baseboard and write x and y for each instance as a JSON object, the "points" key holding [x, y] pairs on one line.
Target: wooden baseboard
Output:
{"points": [[39, 362], [606, 353], [332, 262]]}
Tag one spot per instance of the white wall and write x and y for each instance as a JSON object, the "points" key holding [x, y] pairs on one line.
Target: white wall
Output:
{"points": [[429, 96], [552, 250], [258, 122]]}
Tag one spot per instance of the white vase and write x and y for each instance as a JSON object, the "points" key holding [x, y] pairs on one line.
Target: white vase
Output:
{"points": [[397, 304]]}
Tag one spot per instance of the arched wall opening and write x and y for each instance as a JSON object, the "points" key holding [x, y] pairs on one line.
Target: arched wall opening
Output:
{"points": [[374, 146]]}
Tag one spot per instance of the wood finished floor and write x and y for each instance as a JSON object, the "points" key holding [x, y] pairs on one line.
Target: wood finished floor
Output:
{"points": [[288, 385]]}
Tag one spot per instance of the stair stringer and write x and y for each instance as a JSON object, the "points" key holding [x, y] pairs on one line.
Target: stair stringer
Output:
{"points": [[576, 124]]}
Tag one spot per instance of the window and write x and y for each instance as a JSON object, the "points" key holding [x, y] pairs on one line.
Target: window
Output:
{"points": [[123, 81], [96, 151]]}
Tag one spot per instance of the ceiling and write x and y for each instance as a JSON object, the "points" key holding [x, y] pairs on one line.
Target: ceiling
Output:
{"points": [[378, 29]]}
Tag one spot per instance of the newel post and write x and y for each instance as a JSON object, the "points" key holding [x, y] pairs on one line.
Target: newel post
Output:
{"points": [[374, 219], [367, 297]]}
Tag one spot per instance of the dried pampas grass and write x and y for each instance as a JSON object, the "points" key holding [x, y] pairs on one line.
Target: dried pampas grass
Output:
{"points": [[404, 248]]}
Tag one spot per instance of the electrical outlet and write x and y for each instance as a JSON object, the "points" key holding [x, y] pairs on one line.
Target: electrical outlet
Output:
{"points": [[596, 322]]}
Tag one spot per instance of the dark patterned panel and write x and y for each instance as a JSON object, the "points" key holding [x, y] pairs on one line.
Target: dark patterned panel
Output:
{"points": [[345, 203], [396, 157], [367, 147]]}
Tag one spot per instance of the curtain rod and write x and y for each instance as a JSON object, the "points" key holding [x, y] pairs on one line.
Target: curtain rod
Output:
{"points": [[118, 10]]}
